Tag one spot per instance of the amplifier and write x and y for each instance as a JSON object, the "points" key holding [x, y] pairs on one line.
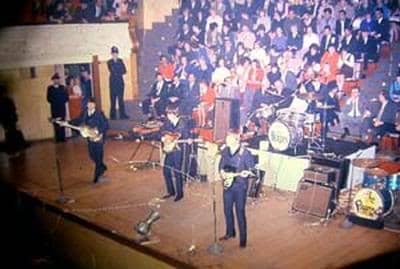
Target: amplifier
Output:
{"points": [[340, 165], [314, 199], [320, 174]]}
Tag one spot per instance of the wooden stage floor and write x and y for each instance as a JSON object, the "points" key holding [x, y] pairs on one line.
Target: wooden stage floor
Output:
{"points": [[276, 237]]}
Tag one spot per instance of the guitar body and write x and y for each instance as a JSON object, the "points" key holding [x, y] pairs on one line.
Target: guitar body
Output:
{"points": [[229, 177], [90, 133], [170, 142]]}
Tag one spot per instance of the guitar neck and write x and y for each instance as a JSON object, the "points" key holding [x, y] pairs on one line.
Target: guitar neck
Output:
{"points": [[70, 126]]}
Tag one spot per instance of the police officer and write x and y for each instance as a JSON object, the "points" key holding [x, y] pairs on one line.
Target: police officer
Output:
{"points": [[57, 96], [235, 159], [174, 160], [94, 118], [117, 69]]}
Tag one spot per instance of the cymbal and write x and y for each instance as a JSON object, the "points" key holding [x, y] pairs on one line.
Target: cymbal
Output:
{"points": [[377, 172], [365, 163]]}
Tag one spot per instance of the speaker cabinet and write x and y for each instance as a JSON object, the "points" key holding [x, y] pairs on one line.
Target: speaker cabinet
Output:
{"points": [[314, 199], [226, 116]]}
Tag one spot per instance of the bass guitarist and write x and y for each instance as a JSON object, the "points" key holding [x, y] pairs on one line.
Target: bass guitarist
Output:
{"points": [[236, 160], [95, 119], [175, 127]]}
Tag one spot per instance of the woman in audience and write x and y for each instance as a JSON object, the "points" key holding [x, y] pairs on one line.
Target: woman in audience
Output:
{"points": [[346, 68]]}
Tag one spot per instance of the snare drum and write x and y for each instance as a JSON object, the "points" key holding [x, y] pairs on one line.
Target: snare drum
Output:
{"points": [[393, 182], [283, 135], [372, 204]]}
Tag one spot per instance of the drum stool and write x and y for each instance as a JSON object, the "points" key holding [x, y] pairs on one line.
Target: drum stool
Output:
{"points": [[389, 142]]}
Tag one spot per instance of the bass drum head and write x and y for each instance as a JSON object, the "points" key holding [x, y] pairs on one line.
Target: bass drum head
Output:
{"points": [[279, 136], [372, 204]]}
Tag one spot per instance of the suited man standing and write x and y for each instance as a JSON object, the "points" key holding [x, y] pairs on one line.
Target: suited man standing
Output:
{"points": [[157, 99], [380, 119], [57, 96], [353, 113], [117, 69], [235, 158]]}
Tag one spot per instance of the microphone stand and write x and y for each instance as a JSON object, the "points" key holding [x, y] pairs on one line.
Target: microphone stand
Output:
{"points": [[62, 199], [215, 248]]}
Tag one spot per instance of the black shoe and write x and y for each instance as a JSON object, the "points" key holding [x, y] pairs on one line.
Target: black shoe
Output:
{"points": [[177, 198], [243, 244], [124, 117], [167, 196], [226, 237]]}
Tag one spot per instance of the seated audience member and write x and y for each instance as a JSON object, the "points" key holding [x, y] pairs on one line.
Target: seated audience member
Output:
{"points": [[279, 40], [329, 65], [353, 112], [346, 68], [309, 38], [341, 24], [157, 99], [295, 39], [165, 68], [382, 32], [381, 119], [312, 56], [394, 90], [328, 39], [207, 100], [349, 41], [367, 49], [176, 90]]}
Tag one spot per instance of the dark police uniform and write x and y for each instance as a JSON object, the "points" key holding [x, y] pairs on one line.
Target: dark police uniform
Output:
{"points": [[237, 193], [58, 97], [117, 70], [173, 162], [96, 151]]}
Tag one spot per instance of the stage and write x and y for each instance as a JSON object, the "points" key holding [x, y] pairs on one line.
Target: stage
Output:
{"points": [[277, 238]]}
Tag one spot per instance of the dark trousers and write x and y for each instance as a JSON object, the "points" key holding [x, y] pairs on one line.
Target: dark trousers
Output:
{"points": [[59, 132], [377, 132], [159, 107], [96, 153], [236, 196], [172, 169], [117, 94]]}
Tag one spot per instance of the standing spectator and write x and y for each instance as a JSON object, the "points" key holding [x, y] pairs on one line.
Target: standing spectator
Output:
{"points": [[117, 69], [86, 87], [14, 139], [57, 96]]}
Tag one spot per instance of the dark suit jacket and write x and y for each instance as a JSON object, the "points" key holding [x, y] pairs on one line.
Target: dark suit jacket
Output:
{"points": [[333, 40], [369, 48], [389, 113], [383, 28], [350, 45], [339, 30], [163, 93]]}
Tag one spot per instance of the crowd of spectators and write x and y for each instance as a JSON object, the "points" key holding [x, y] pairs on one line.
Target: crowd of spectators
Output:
{"points": [[264, 50], [83, 11]]}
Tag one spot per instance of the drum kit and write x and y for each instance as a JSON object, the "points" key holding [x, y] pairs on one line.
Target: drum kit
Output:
{"points": [[377, 196], [291, 126]]}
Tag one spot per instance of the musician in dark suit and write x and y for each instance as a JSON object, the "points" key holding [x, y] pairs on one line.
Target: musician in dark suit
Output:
{"points": [[117, 69], [174, 160], [94, 118], [57, 96], [329, 108], [157, 99], [235, 158], [328, 39], [380, 119]]}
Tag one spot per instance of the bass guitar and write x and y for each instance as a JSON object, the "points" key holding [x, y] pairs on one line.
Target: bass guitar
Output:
{"points": [[229, 177], [92, 134], [170, 142]]}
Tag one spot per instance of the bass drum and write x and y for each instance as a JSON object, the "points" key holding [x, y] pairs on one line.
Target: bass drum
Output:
{"points": [[283, 136], [372, 204]]}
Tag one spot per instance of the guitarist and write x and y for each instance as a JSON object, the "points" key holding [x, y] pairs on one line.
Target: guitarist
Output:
{"points": [[174, 160], [235, 159], [93, 118]]}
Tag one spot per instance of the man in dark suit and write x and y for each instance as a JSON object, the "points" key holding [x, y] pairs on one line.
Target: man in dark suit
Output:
{"points": [[191, 95], [235, 158], [57, 96], [117, 69], [342, 23], [382, 27], [157, 99], [94, 118], [349, 41], [328, 39], [367, 49], [380, 119]]}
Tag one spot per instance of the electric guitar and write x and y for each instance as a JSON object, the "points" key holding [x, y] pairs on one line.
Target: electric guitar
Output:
{"points": [[92, 134], [171, 141], [229, 177]]}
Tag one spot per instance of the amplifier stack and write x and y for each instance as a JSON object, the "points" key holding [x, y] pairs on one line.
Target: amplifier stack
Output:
{"points": [[318, 190]]}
